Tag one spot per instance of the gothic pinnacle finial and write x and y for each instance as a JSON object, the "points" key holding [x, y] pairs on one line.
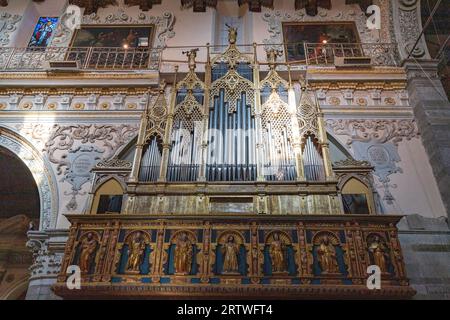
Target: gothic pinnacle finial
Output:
{"points": [[302, 82]]}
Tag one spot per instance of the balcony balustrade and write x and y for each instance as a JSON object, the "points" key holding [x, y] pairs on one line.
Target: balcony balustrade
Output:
{"points": [[87, 58], [119, 58]]}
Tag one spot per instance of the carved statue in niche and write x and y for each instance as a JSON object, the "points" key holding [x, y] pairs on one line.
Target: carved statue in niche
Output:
{"points": [[379, 254], [326, 254], [88, 249], [230, 251], [136, 251], [277, 253], [183, 254]]}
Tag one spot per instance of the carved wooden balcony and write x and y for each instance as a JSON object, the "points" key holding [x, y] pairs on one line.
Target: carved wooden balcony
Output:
{"points": [[275, 256]]}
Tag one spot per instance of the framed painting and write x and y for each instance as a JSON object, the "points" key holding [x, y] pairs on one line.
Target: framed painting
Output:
{"points": [[112, 47], [43, 32], [295, 34], [108, 36]]}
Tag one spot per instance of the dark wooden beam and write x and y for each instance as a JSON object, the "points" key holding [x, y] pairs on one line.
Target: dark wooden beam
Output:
{"points": [[311, 6], [199, 5], [91, 6], [363, 4], [255, 5], [144, 5]]}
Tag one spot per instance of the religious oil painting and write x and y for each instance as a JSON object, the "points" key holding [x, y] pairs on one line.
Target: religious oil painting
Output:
{"points": [[355, 204], [297, 34], [43, 31], [127, 36]]}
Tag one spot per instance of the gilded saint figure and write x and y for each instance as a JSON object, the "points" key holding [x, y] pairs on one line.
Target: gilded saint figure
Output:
{"points": [[379, 254], [183, 254], [277, 254], [327, 256], [88, 248], [230, 251], [135, 253]]}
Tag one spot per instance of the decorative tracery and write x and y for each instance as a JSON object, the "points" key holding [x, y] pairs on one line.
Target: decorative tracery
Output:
{"points": [[277, 126], [155, 123], [186, 134], [231, 140], [308, 117]]}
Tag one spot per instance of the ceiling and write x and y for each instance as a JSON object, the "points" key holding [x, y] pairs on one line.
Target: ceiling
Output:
{"points": [[311, 6]]}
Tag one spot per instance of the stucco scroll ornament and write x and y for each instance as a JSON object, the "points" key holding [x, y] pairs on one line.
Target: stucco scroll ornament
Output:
{"points": [[376, 141], [8, 24], [76, 149]]}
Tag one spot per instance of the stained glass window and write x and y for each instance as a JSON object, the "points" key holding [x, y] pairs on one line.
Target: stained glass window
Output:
{"points": [[43, 32]]}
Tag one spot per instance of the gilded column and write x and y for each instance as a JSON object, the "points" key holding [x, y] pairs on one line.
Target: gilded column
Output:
{"points": [[168, 131], [205, 266], [297, 145], [206, 95], [323, 141], [258, 124], [134, 175]]}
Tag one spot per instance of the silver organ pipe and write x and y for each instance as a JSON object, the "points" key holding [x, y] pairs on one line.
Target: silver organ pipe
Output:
{"points": [[184, 154], [151, 162], [231, 155], [279, 155], [312, 161]]}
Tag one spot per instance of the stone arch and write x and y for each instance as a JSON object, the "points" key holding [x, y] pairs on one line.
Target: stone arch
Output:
{"points": [[41, 172], [17, 291]]}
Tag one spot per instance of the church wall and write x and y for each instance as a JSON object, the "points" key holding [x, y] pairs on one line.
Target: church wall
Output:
{"points": [[409, 170], [97, 125]]}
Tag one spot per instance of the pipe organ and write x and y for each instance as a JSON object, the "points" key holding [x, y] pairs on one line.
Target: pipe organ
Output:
{"points": [[230, 160]]}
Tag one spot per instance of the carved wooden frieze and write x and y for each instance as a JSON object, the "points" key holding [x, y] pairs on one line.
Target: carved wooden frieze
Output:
{"points": [[308, 255]]}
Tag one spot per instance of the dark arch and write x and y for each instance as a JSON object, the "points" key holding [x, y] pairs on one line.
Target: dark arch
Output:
{"points": [[19, 211], [19, 193]]}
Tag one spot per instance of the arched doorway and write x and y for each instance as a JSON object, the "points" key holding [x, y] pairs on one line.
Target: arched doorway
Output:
{"points": [[19, 211]]}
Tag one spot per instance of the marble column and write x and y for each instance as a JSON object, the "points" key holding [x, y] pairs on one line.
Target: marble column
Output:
{"points": [[431, 108]]}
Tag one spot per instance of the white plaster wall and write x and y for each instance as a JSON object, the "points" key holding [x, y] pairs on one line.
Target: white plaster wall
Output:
{"points": [[30, 12], [416, 190]]}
